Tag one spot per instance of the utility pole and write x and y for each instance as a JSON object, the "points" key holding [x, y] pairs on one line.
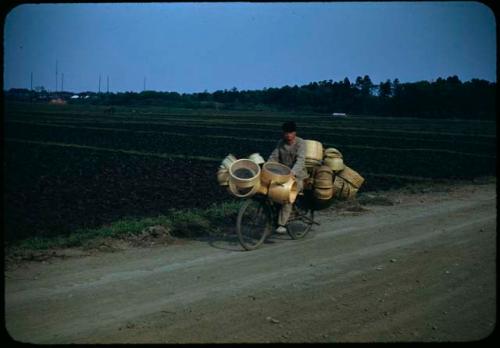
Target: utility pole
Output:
{"points": [[56, 76], [107, 84], [62, 82], [31, 87], [99, 84]]}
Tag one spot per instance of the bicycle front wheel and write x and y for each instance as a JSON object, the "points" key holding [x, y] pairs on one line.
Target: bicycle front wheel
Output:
{"points": [[301, 219], [254, 223]]}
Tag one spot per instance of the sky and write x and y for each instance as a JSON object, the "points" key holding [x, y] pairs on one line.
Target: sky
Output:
{"points": [[196, 47]]}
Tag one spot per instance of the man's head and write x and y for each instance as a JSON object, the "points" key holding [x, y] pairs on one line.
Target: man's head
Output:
{"points": [[289, 131]]}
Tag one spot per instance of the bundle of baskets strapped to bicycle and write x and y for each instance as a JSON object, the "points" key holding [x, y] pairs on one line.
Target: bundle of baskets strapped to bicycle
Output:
{"points": [[328, 176]]}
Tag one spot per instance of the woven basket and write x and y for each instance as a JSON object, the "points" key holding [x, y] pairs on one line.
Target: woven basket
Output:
{"points": [[244, 173], [243, 192], [310, 163], [323, 177], [256, 157], [323, 193], [351, 176], [275, 172], [335, 163], [223, 176], [228, 160], [346, 191], [314, 150], [283, 193], [352, 193], [338, 185], [332, 153]]}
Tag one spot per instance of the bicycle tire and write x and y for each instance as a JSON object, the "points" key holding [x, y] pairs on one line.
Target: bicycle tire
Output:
{"points": [[254, 223], [302, 219]]}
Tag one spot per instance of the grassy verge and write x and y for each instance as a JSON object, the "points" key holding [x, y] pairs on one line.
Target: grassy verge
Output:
{"points": [[217, 220], [191, 223]]}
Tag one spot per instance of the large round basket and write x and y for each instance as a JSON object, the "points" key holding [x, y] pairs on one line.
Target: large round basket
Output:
{"points": [[223, 176], [323, 177], [275, 172], [244, 173], [332, 153], [314, 150], [256, 157], [351, 176], [335, 163], [283, 193], [243, 192], [338, 185], [323, 193], [310, 163], [228, 160]]}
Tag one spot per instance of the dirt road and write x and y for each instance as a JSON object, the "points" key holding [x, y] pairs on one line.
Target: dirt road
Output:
{"points": [[422, 269]]}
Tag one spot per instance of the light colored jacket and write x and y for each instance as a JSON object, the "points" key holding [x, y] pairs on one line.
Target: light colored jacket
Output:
{"points": [[292, 156]]}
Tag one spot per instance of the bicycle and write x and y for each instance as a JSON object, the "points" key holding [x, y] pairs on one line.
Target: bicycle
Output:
{"points": [[257, 219]]}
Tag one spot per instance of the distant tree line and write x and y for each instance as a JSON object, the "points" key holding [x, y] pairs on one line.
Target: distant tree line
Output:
{"points": [[442, 98]]}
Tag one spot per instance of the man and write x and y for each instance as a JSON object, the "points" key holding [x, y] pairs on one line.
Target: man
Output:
{"points": [[290, 151]]}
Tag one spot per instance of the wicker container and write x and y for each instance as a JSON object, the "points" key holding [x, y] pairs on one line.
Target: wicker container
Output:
{"points": [[256, 157], [352, 193], [263, 189], [310, 163], [228, 160], [338, 185], [351, 176], [223, 176], [244, 173], [346, 191], [335, 163], [314, 150], [323, 193], [283, 193], [275, 172], [323, 177], [332, 153], [243, 192]]}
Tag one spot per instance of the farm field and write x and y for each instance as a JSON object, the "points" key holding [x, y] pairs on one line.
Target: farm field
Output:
{"points": [[75, 166]]}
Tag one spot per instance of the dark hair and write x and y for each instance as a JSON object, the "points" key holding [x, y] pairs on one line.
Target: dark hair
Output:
{"points": [[289, 126]]}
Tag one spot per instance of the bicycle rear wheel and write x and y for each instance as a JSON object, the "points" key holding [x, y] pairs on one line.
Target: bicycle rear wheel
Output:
{"points": [[254, 223]]}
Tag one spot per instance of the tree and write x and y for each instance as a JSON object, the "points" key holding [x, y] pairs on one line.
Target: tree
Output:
{"points": [[385, 89]]}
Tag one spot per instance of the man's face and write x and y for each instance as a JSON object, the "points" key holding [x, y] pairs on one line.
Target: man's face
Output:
{"points": [[289, 136]]}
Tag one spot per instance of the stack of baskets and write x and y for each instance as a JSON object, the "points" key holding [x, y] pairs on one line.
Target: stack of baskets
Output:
{"points": [[332, 178], [329, 177], [249, 176]]}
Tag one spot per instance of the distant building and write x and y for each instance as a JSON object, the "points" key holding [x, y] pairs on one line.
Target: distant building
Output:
{"points": [[339, 114], [76, 96], [57, 101]]}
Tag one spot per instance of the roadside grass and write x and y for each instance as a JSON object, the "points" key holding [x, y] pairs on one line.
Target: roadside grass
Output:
{"points": [[215, 220]]}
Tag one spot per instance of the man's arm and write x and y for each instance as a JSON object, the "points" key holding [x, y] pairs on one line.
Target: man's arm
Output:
{"points": [[300, 162]]}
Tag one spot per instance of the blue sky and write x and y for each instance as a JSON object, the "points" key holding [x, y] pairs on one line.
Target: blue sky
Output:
{"points": [[192, 47]]}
